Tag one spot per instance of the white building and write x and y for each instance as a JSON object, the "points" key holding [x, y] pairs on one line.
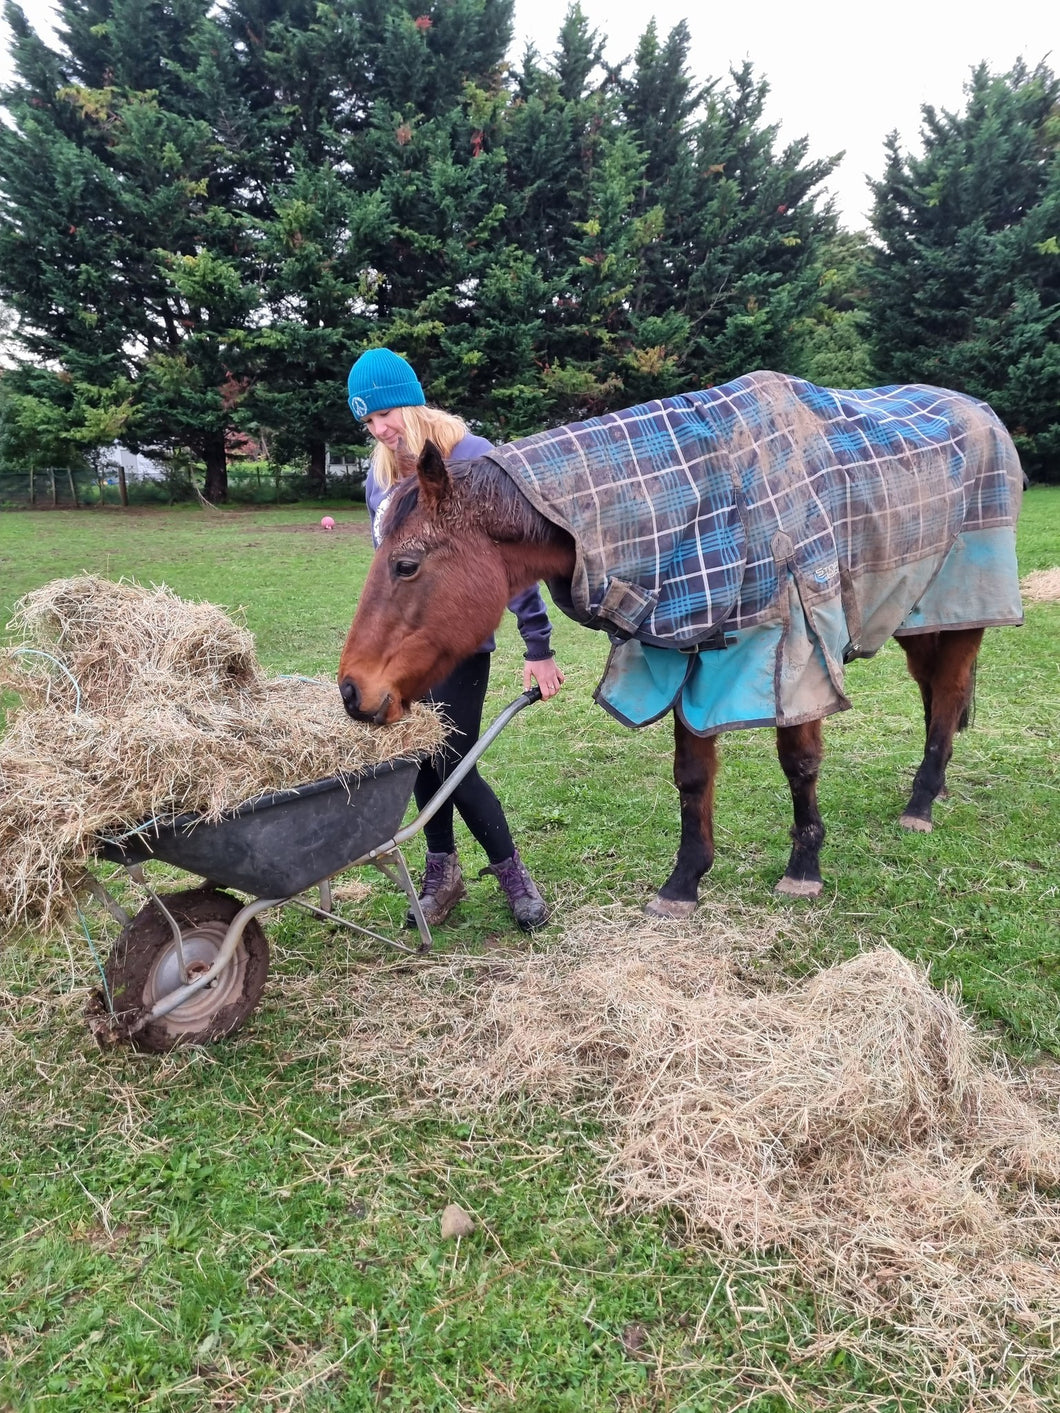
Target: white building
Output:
{"points": [[136, 466]]}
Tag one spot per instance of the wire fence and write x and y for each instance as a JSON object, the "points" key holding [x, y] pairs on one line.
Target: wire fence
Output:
{"points": [[63, 488]]}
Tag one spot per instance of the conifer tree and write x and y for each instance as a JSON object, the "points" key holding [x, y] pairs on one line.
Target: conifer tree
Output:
{"points": [[642, 235], [36, 419], [371, 198], [116, 239], [294, 69], [752, 259], [965, 289], [235, 203], [572, 174], [833, 336], [660, 103]]}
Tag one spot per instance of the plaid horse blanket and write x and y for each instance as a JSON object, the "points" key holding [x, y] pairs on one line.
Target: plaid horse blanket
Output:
{"points": [[741, 544]]}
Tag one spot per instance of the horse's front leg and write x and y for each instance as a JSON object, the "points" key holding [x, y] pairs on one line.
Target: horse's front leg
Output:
{"points": [[800, 749], [695, 769]]}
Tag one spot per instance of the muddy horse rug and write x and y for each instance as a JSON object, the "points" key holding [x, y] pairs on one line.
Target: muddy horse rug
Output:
{"points": [[740, 545]]}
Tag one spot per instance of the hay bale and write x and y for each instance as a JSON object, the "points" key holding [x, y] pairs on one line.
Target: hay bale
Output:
{"points": [[139, 705]]}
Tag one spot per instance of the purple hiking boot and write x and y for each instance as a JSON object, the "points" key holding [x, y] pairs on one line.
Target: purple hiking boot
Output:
{"points": [[527, 905], [441, 890]]}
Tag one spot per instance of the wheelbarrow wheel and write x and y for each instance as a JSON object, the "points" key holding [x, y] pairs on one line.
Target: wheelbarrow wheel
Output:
{"points": [[145, 966]]}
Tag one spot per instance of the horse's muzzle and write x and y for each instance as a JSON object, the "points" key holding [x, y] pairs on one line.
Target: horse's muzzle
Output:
{"points": [[351, 700]]}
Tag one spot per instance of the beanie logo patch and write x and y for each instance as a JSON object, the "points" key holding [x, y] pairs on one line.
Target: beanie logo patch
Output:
{"points": [[358, 407]]}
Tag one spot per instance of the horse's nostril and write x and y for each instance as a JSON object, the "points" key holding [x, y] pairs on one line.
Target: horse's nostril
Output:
{"points": [[348, 692]]}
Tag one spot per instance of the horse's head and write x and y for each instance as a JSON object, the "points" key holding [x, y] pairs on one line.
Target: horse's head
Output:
{"points": [[437, 588]]}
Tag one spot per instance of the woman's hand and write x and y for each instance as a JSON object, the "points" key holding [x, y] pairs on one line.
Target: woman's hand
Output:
{"points": [[548, 676]]}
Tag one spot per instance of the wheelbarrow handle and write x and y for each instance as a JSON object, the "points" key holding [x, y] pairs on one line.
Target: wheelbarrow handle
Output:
{"points": [[451, 782]]}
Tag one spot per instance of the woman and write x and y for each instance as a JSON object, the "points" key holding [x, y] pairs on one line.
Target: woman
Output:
{"points": [[386, 397]]}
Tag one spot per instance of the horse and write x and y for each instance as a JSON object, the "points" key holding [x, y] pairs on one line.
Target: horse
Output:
{"points": [[739, 546]]}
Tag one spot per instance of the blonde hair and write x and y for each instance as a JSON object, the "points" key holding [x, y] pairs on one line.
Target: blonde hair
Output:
{"points": [[443, 428]]}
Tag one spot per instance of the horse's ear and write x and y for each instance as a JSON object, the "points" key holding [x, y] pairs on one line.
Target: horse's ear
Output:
{"points": [[434, 478]]}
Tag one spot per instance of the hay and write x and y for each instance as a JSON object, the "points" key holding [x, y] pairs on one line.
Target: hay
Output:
{"points": [[1041, 586], [139, 705], [852, 1121]]}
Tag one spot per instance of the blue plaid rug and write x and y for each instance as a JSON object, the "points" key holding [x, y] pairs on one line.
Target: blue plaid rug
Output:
{"points": [[797, 526]]}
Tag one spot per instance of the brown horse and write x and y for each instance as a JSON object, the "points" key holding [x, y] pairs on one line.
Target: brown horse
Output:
{"points": [[458, 542]]}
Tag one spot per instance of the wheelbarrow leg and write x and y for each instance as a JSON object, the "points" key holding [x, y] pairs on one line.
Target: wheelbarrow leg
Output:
{"points": [[89, 881], [101, 895], [394, 866]]}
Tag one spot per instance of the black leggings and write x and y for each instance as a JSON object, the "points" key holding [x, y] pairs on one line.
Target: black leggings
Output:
{"points": [[461, 696]]}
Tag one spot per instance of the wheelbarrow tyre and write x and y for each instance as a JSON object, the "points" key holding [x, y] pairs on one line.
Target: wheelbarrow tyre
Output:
{"points": [[143, 967]]}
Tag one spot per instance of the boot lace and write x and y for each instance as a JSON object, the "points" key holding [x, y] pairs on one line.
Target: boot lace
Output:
{"points": [[513, 877], [434, 874]]}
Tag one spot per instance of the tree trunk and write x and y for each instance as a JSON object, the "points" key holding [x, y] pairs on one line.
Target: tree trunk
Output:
{"points": [[55, 493], [318, 468], [73, 488], [212, 447], [123, 489], [32, 490], [97, 471]]}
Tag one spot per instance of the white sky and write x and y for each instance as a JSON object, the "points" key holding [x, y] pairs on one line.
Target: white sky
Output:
{"points": [[843, 74]]}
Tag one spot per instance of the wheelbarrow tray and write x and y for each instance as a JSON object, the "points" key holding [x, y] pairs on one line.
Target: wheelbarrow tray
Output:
{"points": [[280, 844]]}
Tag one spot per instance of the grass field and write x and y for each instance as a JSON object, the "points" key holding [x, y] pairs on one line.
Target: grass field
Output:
{"points": [[244, 1227]]}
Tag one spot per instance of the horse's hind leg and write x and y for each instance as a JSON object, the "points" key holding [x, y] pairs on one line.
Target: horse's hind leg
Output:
{"points": [[800, 749], [943, 667], [695, 769]]}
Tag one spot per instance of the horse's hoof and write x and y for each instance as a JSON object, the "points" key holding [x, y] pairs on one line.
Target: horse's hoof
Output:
{"points": [[912, 821], [669, 907], [799, 887]]}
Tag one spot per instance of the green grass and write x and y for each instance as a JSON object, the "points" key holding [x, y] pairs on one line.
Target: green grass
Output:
{"points": [[232, 1228]]}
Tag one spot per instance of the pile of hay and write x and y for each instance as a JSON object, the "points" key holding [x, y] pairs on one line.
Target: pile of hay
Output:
{"points": [[1041, 585], [139, 705], [851, 1121]]}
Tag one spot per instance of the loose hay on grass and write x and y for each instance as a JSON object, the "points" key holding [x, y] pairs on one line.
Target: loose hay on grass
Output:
{"points": [[852, 1120], [1041, 585], [136, 705]]}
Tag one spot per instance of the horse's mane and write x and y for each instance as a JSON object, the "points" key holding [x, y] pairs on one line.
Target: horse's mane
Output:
{"points": [[485, 496]]}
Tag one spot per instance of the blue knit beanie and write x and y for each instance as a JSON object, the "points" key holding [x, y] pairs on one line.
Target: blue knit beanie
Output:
{"points": [[380, 380]]}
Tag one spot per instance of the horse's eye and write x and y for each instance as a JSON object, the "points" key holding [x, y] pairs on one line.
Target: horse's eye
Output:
{"points": [[406, 568]]}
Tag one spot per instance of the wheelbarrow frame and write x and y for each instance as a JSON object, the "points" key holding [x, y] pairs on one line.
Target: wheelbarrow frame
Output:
{"points": [[132, 851]]}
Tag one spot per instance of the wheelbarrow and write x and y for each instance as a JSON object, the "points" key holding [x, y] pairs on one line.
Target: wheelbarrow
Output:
{"points": [[190, 966]]}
